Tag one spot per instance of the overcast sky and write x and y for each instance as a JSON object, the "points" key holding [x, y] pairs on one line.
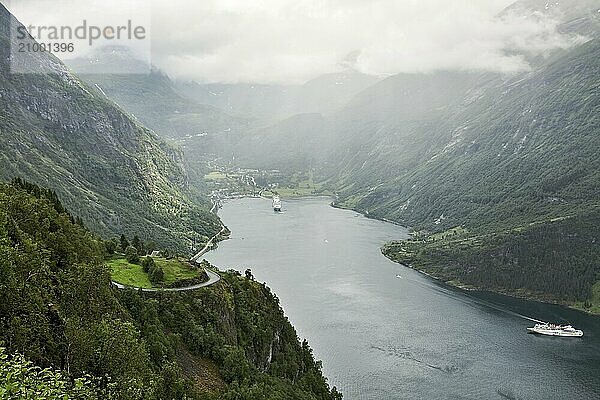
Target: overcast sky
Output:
{"points": [[291, 41]]}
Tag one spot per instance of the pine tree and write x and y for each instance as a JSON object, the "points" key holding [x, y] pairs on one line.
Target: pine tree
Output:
{"points": [[124, 243]]}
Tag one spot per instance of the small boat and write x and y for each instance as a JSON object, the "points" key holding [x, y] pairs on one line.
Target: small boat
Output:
{"points": [[276, 204], [555, 330]]}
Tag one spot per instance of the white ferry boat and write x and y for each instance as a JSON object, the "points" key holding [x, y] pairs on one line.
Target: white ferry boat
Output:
{"points": [[555, 330], [276, 204]]}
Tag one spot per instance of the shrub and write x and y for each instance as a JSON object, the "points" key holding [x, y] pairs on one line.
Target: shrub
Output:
{"points": [[156, 275]]}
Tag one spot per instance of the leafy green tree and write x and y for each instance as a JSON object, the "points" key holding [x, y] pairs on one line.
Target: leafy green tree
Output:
{"points": [[237, 366], [111, 246], [248, 274], [139, 245], [135, 242], [172, 384], [131, 254], [150, 247], [147, 264], [121, 354], [156, 275], [20, 379]]}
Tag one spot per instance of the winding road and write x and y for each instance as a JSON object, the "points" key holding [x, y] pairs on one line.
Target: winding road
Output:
{"points": [[207, 246], [213, 277]]}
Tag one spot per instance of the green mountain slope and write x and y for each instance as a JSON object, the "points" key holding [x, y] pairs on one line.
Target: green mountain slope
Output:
{"points": [[554, 260], [528, 148], [195, 116], [118, 176], [378, 125], [153, 99], [203, 132], [59, 309]]}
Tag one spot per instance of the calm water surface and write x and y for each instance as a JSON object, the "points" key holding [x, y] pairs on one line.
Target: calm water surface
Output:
{"points": [[385, 331]]}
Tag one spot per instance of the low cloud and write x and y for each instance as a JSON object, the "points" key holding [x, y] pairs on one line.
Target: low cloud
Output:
{"points": [[291, 41]]}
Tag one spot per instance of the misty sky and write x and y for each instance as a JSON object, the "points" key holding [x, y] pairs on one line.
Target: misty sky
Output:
{"points": [[291, 41]]}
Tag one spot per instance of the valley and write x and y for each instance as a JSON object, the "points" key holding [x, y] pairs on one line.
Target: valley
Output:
{"points": [[512, 159], [431, 209]]}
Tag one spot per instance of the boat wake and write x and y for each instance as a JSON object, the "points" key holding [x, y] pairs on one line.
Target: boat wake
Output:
{"points": [[407, 355], [471, 300], [506, 394], [541, 327], [505, 310]]}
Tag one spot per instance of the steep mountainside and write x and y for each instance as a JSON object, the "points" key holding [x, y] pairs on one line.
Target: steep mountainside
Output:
{"points": [[377, 125], [57, 131], [59, 309], [576, 16], [519, 175], [516, 170], [526, 148], [203, 132], [152, 98], [195, 116]]}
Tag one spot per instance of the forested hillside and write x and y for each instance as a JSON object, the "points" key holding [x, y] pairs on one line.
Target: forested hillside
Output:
{"points": [[528, 154], [226, 121], [528, 149], [202, 132], [59, 310], [525, 152], [557, 261], [57, 131]]}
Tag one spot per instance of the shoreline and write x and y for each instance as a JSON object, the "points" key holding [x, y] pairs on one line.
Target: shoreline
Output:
{"points": [[213, 240], [522, 295], [540, 298], [366, 215]]}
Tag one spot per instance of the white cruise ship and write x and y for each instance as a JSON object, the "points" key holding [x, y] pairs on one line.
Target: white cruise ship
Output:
{"points": [[555, 330], [276, 204]]}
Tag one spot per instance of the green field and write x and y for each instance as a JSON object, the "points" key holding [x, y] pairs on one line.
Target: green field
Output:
{"points": [[304, 189], [294, 192], [133, 275]]}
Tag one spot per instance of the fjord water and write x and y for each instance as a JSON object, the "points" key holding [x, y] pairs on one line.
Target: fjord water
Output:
{"points": [[385, 331]]}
